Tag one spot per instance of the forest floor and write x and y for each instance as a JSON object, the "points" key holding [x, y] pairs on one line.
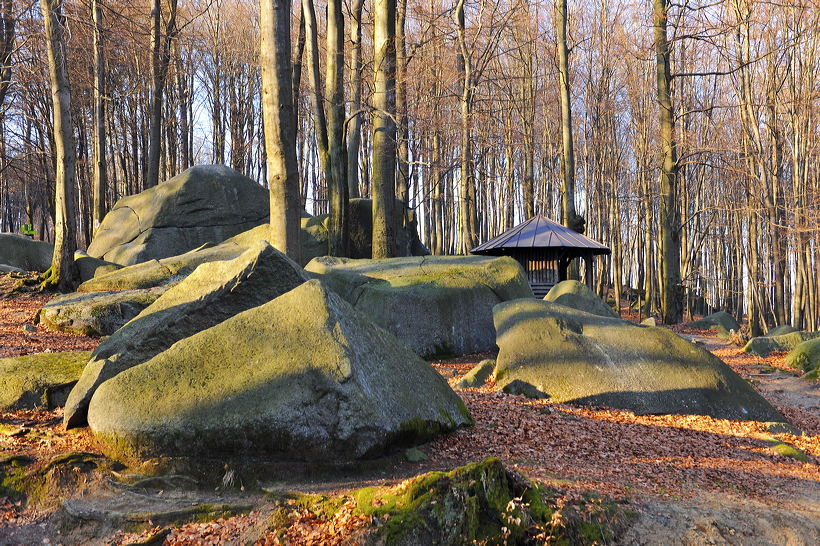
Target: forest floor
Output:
{"points": [[688, 479]]}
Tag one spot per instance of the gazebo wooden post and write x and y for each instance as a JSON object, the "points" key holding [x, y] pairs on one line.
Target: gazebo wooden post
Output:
{"points": [[588, 263]]}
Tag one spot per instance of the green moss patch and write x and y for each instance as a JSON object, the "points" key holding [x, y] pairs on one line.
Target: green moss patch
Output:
{"points": [[42, 484], [478, 503]]}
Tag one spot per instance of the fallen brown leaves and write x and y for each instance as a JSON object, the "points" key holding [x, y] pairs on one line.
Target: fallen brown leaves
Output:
{"points": [[18, 308], [578, 449]]}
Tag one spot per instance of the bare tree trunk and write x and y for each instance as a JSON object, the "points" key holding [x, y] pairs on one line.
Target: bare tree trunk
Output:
{"points": [[670, 221], [63, 273], [160, 60], [337, 154], [280, 127], [354, 132], [383, 172], [100, 182], [468, 218], [570, 217]]}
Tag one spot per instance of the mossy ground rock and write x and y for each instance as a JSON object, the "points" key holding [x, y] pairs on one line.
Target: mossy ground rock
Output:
{"points": [[806, 357], [577, 357], [304, 378], [436, 305], [578, 296], [96, 313], [206, 203], [763, 346], [480, 503], [41, 380], [214, 292]]}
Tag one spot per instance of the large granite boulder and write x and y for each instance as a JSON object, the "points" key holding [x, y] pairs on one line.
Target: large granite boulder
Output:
{"points": [[39, 381], [205, 204], [721, 322], [96, 313], [21, 252], [765, 345], [437, 305], [304, 377], [208, 296], [578, 296], [577, 357], [806, 357]]}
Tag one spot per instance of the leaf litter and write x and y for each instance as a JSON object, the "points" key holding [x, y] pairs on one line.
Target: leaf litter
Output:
{"points": [[576, 449]]}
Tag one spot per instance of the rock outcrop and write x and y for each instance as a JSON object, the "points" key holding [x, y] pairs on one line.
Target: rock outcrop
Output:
{"points": [[304, 377]]}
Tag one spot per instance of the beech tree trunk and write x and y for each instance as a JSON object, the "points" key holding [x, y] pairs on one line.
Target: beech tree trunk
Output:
{"points": [[280, 127], [383, 171], [63, 273]]}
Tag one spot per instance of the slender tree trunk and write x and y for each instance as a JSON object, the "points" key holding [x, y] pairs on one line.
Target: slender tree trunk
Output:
{"points": [[383, 171], [63, 273], [669, 218], [160, 60], [354, 132], [280, 127], [337, 154], [100, 182], [570, 217], [468, 218]]}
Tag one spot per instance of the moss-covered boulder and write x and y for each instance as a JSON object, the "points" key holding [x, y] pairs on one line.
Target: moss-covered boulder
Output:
{"points": [[39, 381], [577, 357], [96, 313], [578, 296], [781, 330], [21, 252], [437, 305], [721, 322], [162, 272], [806, 357], [304, 377], [211, 294], [764, 346], [204, 204]]}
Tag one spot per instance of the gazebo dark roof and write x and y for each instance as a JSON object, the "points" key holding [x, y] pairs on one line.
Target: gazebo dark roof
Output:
{"points": [[541, 232]]}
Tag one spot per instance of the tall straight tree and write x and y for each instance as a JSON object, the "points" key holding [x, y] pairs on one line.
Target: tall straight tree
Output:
{"points": [[337, 153], [63, 273], [570, 217], [163, 31], [671, 302], [99, 182], [280, 127], [383, 172]]}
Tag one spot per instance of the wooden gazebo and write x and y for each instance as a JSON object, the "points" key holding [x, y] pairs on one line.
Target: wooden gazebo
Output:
{"points": [[544, 249]]}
